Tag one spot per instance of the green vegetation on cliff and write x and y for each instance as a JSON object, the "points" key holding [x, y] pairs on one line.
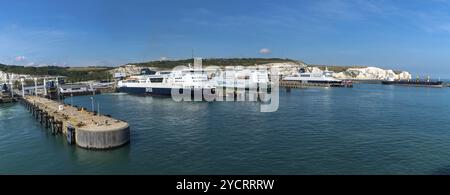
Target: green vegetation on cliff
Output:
{"points": [[73, 74], [77, 74], [169, 64], [335, 68]]}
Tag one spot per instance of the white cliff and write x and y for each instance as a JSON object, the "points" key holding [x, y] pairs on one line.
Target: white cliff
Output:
{"points": [[371, 73], [128, 70], [2, 76], [291, 68], [287, 68]]}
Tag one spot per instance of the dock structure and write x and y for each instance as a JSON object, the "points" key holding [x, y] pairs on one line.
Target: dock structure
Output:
{"points": [[81, 127], [296, 84]]}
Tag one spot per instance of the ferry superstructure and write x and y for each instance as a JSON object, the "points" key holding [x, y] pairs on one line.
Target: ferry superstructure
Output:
{"points": [[304, 77], [242, 79]]}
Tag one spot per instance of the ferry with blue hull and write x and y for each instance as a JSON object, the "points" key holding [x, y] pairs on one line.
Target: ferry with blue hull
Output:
{"points": [[163, 83], [148, 91]]}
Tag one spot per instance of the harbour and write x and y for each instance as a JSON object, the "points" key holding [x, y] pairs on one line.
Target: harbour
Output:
{"points": [[223, 96], [313, 132], [212, 120]]}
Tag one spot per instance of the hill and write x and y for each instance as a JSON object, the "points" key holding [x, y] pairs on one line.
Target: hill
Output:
{"points": [[169, 64], [335, 68], [73, 74]]}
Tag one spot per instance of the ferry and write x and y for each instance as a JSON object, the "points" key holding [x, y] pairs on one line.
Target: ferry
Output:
{"points": [[162, 83], [414, 83], [242, 79], [323, 78]]}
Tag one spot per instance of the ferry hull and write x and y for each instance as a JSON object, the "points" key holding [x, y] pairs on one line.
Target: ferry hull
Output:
{"points": [[159, 91], [146, 91], [437, 84]]}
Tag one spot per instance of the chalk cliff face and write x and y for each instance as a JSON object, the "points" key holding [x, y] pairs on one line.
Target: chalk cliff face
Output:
{"points": [[286, 69], [2, 76], [371, 73], [128, 70]]}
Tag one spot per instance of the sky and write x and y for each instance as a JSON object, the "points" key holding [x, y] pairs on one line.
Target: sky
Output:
{"points": [[412, 35]]}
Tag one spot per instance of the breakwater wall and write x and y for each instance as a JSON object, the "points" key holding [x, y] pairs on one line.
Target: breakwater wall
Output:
{"points": [[80, 127]]}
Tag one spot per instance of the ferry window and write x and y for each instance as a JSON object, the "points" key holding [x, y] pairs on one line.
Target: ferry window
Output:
{"points": [[156, 80]]}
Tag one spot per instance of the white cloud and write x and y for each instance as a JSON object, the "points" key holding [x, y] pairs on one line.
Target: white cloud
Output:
{"points": [[20, 58], [265, 51]]}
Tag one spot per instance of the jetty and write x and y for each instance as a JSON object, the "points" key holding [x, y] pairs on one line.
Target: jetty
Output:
{"points": [[6, 98], [296, 84], [81, 127]]}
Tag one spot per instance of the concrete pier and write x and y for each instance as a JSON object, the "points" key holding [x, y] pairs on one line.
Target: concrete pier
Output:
{"points": [[83, 128]]}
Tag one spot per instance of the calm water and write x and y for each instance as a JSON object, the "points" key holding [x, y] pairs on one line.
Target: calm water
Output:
{"points": [[370, 129]]}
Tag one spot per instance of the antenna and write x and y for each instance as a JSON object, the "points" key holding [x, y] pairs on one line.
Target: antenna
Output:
{"points": [[192, 53]]}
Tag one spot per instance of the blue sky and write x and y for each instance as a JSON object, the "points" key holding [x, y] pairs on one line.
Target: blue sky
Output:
{"points": [[411, 35]]}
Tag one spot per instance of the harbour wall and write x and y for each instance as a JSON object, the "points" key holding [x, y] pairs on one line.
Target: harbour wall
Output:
{"points": [[80, 127]]}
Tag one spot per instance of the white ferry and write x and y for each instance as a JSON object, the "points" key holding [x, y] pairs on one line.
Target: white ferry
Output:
{"points": [[242, 79], [162, 83], [326, 77]]}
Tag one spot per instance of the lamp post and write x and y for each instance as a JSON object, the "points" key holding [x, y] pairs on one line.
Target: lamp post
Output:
{"points": [[23, 89], [45, 87], [92, 101], [58, 90], [11, 85], [35, 87]]}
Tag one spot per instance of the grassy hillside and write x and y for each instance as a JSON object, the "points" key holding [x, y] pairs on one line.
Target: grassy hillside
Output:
{"points": [[73, 74], [213, 61], [335, 68], [76, 74]]}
